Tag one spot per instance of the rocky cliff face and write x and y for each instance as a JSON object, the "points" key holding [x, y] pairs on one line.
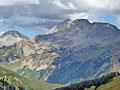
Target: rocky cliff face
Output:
{"points": [[29, 59]]}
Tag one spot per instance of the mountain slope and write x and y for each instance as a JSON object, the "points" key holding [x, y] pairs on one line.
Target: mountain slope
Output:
{"points": [[11, 37], [108, 82], [12, 81], [29, 59], [113, 85], [86, 50]]}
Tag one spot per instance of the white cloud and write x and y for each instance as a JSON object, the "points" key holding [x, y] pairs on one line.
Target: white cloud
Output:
{"points": [[90, 16], [118, 21], [59, 4], [78, 15], [2, 33], [11, 2], [89, 5], [60, 9]]}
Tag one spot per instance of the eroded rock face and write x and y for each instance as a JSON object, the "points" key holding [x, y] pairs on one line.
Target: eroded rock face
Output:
{"points": [[29, 59]]}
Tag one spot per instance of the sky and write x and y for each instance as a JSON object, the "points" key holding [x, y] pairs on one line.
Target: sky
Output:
{"points": [[37, 16]]}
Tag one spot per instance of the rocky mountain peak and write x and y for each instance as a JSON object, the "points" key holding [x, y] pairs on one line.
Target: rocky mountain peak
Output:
{"points": [[14, 33], [81, 32], [60, 27], [11, 37]]}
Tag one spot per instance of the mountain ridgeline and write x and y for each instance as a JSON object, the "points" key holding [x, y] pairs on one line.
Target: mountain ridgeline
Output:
{"points": [[72, 51], [81, 33]]}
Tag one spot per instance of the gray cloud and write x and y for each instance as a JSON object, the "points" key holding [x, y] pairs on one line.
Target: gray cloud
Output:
{"points": [[12, 2], [55, 7]]}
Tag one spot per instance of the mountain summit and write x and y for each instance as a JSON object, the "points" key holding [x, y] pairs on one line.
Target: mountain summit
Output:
{"points": [[11, 37], [81, 32], [14, 34]]}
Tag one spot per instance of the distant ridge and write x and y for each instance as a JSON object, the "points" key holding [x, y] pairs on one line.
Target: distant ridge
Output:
{"points": [[14, 33], [11, 37]]}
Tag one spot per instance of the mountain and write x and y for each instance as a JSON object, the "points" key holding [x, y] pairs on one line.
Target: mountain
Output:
{"points": [[86, 50], [82, 33], [11, 37], [76, 51]]}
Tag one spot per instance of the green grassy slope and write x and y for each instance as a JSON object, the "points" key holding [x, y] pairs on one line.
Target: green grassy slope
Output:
{"points": [[20, 83], [113, 85], [107, 82]]}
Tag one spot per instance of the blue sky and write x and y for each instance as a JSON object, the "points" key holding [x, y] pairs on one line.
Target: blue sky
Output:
{"points": [[29, 32], [108, 19]]}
